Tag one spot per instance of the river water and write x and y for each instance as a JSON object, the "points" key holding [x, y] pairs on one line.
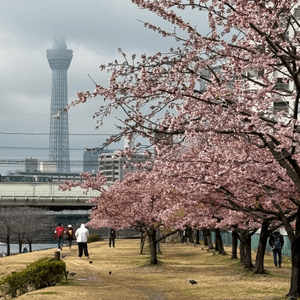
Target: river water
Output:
{"points": [[14, 248]]}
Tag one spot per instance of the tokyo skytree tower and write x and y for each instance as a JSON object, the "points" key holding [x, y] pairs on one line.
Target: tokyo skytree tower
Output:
{"points": [[59, 58]]}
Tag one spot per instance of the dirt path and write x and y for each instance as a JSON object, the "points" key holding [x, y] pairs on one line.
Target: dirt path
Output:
{"points": [[105, 278]]}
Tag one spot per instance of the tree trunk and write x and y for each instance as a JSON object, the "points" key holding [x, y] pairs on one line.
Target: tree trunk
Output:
{"points": [[143, 239], [30, 246], [210, 244], [294, 287], [248, 264], [205, 237], [242, 252], [20, 246], [197, 241], [189, 235], [245, 248], [184, 236], [219, 242], [234, 245], [158, 251], [216, 245], [294, 237], [181, 236], [8, 246], [152, 240], [207, 234], [259, 261], [21, 239], [248, 250]]}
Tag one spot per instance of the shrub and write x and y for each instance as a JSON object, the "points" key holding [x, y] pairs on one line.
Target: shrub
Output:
{"points": [[38, 275], [94, 238]]}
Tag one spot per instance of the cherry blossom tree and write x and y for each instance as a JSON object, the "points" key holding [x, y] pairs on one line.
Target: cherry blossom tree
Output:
{"points": [[137, 202], [245, 191], [249, 62]]}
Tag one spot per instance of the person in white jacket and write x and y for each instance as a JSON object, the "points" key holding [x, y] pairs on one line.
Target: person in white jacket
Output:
{"points": [[82, 237]]}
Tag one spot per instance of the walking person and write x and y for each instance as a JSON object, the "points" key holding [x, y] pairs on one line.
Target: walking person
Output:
{"points": [[81, 235], [59, 235], [111, 236], [70, 235], [276, 242]]}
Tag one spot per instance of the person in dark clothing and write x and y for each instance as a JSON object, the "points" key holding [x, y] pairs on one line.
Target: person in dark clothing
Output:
{"points": [[59, 235], [276, 242], [111, 236], [70, 235]]}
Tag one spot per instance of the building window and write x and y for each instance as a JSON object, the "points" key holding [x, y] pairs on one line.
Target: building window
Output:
{"points": [[297, 13], [280, 85], [279, 106], [260, 72]]}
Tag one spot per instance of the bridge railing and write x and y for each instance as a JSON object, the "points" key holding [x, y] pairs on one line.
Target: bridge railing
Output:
{"points": [[44, 200]]}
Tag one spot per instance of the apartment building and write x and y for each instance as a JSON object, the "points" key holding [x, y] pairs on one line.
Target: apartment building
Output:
{"points": [[113, 167]]}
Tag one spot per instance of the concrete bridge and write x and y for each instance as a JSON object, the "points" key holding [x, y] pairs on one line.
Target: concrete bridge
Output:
{"points": [[42, 194], [67, 207]]}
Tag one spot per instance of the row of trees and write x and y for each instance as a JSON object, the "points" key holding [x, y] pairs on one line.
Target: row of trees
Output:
{"points": [[223, 156], [24, 224]]}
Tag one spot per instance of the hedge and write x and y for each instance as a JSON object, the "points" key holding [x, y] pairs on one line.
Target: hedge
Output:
{"points": [[94, 238], [40, 274]]}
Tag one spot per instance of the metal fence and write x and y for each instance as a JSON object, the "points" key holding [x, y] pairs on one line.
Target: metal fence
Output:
{"points": [[227, 240]]}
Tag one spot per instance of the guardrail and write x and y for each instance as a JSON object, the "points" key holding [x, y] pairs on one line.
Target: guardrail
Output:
{"points": [[44, 200]]}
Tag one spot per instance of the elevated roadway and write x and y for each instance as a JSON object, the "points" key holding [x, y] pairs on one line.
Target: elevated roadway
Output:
{"points": [[40, 194]]}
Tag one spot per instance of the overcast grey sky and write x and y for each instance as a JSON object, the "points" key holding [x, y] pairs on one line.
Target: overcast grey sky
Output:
{"points": [[94, 29]]}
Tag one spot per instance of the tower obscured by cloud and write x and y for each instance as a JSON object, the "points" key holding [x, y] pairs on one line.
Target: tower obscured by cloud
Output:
{"points": [[59, 58]]}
